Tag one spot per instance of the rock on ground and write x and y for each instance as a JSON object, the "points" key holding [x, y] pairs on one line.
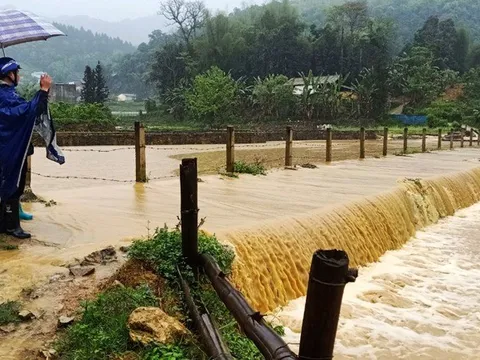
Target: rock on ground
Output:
{"points": [[149, 324]]}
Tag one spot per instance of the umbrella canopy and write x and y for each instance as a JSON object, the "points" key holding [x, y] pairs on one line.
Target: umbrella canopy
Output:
{"points": [[17, 27]]}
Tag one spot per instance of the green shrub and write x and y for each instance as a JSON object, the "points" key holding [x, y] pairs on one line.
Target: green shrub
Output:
{"points": [[272, 97], [90, 112], [441, 113], [212, 96], [456, 125], [257, 168], [434, 121], [164, 253], [151, 106], [82, 117]]}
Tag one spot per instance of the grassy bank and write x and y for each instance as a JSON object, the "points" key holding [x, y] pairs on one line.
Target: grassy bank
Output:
{"points": [[149, 279]]}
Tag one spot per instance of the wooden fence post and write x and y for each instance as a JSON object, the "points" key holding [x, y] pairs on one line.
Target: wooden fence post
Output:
{"points": [[140, 158], [329, 146], [424, 140], [385, 141], [439, 146], [288, 148], [451, 139], [405, 140], [230, 149], [471, 137], [462, 141], [189, 210], [362, 143], [329, 274]]}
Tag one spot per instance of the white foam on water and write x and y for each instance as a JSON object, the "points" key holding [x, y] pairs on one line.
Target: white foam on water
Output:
{"points": [[420, 302]]}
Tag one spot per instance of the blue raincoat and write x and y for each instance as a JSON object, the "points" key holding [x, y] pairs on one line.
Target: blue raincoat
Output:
{"points": [[18, 119]]}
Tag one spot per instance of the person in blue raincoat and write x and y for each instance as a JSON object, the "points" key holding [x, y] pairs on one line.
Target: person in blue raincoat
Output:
{"points": [[17, 122]]}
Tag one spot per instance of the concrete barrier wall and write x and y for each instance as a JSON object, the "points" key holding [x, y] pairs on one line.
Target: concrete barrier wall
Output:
{"points": [[181, 138]]}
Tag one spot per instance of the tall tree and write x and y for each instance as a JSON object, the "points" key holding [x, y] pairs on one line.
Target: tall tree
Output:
{"points": [[187, 15], [461, 50], [444, 41], [278, 45], [101, 88], [348, 19], [170, 65], [415, 76], [474, 57], [88, 91]]}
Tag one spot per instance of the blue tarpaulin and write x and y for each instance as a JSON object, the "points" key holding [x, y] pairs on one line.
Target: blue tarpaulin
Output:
{"points": [[411, 119]]}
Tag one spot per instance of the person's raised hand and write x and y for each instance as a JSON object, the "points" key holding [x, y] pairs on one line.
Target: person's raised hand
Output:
{"points": [[45, 82]]}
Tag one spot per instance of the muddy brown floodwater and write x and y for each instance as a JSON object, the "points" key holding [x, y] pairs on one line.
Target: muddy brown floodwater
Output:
{"points": [[420, 302], [90, 214]]}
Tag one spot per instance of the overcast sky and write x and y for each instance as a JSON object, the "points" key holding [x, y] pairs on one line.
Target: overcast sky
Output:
{"points": [[111, 10]]}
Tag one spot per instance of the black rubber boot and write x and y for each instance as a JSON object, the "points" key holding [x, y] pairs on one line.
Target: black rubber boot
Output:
{"points": [[12, 220]]}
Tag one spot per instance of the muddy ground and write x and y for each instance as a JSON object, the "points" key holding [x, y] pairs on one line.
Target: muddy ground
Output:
{"points": [[61, 297]]}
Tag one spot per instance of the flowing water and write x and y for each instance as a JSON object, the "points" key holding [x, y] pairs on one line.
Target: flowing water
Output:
{"points": [[274, 257], [419, 302], [275, 223], [92, 214]]}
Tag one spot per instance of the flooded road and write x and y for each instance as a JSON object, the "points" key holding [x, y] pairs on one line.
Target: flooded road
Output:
{"points": [[275, 222], [420, 302], [91, 214]]}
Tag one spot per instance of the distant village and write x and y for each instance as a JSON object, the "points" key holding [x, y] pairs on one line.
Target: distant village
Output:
{"points": [[71, 92]]}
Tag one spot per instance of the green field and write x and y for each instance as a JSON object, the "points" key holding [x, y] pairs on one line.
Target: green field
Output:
{"points": [[130, 106]]}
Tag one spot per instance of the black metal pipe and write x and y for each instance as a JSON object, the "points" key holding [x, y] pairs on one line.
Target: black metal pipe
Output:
{"points": [[268, 342], [328, 276], [209, 334]]}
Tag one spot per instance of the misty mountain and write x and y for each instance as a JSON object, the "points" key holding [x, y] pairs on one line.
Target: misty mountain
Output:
{"points": [[134, 31], [66, 57]]}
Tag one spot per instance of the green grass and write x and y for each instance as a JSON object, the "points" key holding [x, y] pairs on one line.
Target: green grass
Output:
{"points": [[102, 332], [9, 313], [164, 253], [158, 122], [5, 246], [174, 127], [257, 168], [167, 352], [127, 106]]}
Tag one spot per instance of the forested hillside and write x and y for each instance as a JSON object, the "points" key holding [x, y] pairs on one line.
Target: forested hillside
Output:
{"points": [[224, 66], [66, 57], [408, 15]]}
